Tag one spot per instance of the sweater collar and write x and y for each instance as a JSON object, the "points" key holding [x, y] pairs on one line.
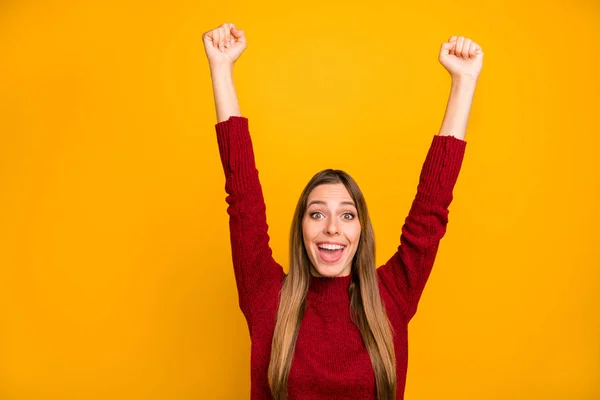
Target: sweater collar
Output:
{"points": [[329, 290]]}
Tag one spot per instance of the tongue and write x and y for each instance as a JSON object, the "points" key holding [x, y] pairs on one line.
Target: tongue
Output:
{"points": [[330, 256]]}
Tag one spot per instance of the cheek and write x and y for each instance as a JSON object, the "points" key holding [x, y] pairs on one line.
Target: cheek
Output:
{"points": [[354, 233], [308, 230]]}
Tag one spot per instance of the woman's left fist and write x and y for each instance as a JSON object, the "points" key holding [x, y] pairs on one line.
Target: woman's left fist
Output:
{"points": [[461, 57]]}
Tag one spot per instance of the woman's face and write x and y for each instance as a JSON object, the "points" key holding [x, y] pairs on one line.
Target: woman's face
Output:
{"points": [[331, 230]]}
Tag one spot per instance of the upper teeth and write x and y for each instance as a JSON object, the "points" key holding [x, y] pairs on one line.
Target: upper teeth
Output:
{"points": [[331, 246]]}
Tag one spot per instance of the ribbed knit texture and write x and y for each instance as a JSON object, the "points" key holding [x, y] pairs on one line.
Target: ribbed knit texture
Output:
{"points": [[330, 360]]}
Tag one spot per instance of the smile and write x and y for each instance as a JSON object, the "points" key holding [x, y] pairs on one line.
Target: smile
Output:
{"points": [[330, 253]]}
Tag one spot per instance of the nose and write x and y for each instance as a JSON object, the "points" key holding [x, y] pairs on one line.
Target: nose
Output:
{"points": [[332, 228]]}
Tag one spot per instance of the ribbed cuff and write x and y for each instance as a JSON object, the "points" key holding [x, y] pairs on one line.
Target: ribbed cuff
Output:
{"points": [[440, 170], [237, 154]]}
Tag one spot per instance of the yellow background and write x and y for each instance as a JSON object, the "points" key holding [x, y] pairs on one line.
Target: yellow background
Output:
{"points": [[115, 273]]}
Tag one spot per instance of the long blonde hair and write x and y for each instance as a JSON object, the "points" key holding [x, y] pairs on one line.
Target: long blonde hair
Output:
{"points": [[366, 308]]}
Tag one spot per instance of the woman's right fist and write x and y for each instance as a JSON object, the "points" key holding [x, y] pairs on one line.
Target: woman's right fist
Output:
{"points": [[224, 45]]}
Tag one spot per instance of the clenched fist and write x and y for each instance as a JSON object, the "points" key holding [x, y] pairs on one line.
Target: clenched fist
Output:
{"points": [[224, 45], [461, 57]]}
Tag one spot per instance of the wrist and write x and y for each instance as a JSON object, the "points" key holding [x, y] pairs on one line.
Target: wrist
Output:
{"points": [[467, 82], [220, 68]]}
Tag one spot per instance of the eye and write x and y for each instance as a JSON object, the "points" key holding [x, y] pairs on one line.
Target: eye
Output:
{"points": [[349, 215], [313, 215]]}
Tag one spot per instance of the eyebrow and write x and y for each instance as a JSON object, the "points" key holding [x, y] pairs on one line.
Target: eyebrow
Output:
{"points": [[348, 203]]}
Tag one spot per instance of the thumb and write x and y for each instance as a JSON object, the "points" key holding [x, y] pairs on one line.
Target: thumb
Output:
{"points": [[238, 33], [207, 37], [446, 48]]}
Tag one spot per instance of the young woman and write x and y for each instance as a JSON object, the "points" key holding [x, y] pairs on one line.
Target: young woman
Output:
{"points": [[334, 327]]}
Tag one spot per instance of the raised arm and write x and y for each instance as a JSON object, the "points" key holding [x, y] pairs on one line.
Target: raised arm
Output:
{"points": [[407, 271], [223, 46], [256, 272]]}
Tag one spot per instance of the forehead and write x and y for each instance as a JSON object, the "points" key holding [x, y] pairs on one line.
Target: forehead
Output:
{"points": [[335, 192]]}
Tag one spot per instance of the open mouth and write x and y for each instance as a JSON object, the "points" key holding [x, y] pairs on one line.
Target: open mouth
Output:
{"points": [[330, 253]]}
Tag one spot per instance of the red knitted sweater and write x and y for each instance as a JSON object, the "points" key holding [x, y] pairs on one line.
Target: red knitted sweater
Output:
{"points": [[330, 359]]}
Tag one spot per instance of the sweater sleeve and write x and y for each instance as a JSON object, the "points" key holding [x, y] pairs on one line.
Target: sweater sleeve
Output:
{"points": [[256, 272], [407, 271]]}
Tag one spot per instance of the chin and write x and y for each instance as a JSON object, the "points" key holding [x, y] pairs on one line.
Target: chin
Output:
{"points": [[329, 272]]}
